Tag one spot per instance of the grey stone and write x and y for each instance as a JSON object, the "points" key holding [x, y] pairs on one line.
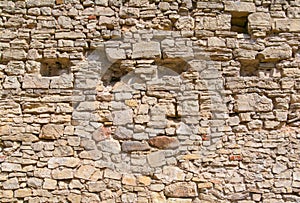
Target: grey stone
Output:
{"points": [[111, 146], [146, 50], [156, 159], [130, 146]]}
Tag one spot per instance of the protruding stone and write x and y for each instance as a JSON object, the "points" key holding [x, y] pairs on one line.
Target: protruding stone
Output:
{"points": [[146, 50], [51, 132], [181, 189], [130, 146], [164, 142]]}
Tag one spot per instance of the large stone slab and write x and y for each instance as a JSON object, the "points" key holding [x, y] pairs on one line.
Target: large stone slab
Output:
{"points": [[146, 50], [237, 6], [253, 102]]}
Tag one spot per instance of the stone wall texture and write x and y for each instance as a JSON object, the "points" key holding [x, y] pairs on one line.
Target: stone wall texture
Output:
{"points": [[150, 101]]}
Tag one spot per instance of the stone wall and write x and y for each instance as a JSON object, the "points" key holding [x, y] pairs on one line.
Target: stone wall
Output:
{"points": [[150, 101]]}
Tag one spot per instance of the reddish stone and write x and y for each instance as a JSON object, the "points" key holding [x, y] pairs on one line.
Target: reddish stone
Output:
{"points": [[102, 133], [235, 157], [92, 17], [164, 142], [60, 1], [205, 137]]}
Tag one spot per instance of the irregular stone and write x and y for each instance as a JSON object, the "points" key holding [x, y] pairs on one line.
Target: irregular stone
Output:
{"points": [[171, 174], [129, 179], [35, 182], [10, 167], [275, 53], [84, 172], [179, 200], [181, 189], [278, 168], [185, 23], [158, 197], [144, 180], [49, 184], [21, 193], [114, 54], [51, 131], [11, 82], [55, 162], [108, 173], [15, 68], [164, 142], [122, 117], [62, 174], [14, 54], [96, 186], [111, 146], [35, 82], [259, 24], [11, 184], [123, 133], [156, 159], [130, 146], [146, 50], [253, 102], [63, 151], [287, 25]]}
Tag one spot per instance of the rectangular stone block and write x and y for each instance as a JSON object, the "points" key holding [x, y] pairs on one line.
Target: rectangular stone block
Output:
{"points": [[146, 50]]}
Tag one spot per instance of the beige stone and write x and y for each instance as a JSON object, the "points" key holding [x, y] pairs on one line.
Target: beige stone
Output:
{"points": [[51, 131], [84, 172]]}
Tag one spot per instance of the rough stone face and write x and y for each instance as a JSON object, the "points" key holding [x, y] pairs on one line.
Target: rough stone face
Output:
{"points": [[62, 174], [84, 172], [146, 50], [276, 53], [55, 162], [240, 7], [156, 159], [51, 132], [164, 142], [181, 189], [130, 146], [110, 146], [253, 102]]}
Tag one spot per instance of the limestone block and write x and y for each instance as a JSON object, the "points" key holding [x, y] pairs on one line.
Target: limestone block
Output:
{"points": [[96, 186], [179, 200], [259, 24], [62, 174], [122, 117], [64, 81], [156, 159], [287, 25], [181, 189], [253, 102], [111, 146], [41, 3], [114, 54], [84, 172], [240, 7], [146, 50], [123, 133], [51, 131], [14, 54], [10, 167], [15, 68], [275, 53], [21, 193], [69, 35], [11, 82], [65, 22], [11, 184], [130, 146], [185, 23], [55, 162], [35, 82]]}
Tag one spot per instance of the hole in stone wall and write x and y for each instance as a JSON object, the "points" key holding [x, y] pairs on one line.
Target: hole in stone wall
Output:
{"points": [[249, 69], [239, 22], [54, 67]]}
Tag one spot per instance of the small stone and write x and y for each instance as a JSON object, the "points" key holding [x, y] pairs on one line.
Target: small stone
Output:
{"points": [[55, 162], [108, 173], [74, 198], [181, 189], [205, 185], [164, 142]]}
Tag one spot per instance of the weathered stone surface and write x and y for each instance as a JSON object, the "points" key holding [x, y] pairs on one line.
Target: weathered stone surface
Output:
{"points": [[253, 102], [185, 23], [11, 184], [21, 193], [69, 35], [122, 117], [62, 174], [51, 131], [84, 172], [130, 146], [164, 142], [259, 24], [156, 159], [114, 54], [111, 146], [276, 53], [240, 7], [35, 82], [181, 189], [123, 133], [55, 162], [287, 25], [146, 50], [32, 3], [14, 54]]}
